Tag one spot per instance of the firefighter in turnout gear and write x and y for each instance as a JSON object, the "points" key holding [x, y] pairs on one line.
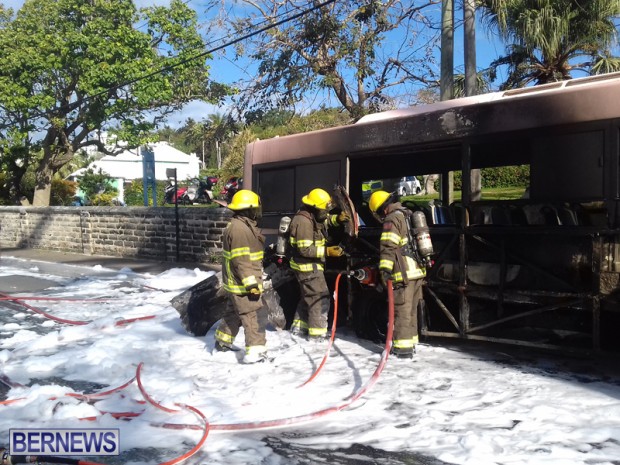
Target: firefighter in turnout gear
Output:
{"points": [[398, 262], [242, 278], [308, 238]]}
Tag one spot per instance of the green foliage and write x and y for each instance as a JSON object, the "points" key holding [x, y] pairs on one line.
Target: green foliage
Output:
{"points": [[501, 177], [234, 161], [547, 40], [506, 176], [103, 199], [289, 123], [233, 140], [134, 193], [97, 187], [338, 49], [5, 195], [87, 61], [63, 192]]}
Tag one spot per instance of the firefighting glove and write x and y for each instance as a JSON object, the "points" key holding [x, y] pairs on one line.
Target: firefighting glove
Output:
{"points": [[253, 292], [343, 217], [335, 251], [384, 276]]}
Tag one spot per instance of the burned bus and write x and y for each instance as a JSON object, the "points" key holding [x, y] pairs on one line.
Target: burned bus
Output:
{"points": [[540, 269]]}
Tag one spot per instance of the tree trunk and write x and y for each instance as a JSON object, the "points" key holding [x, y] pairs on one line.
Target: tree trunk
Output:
{"points": [[204, 166], [43, 176], [43, 186], [429, 183], [469, 20], [446, 80], [218, 153]]}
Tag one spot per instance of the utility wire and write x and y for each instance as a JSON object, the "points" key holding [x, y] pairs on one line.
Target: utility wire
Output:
{"points": [[215, 49]]}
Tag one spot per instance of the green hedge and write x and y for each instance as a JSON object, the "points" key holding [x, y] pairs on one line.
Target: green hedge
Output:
{"points": [[134, 193], [505, 176]]}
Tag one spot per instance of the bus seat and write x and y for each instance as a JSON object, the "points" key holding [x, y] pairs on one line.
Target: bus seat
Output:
{"points": [[567, 216], [414, 207], [518, 216], [481, 214], [440, 213], [550, 215], [458, 212], [500, 216], [533, 215]]}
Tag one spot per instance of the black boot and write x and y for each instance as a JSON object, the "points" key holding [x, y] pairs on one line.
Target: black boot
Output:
{"points": [[222, 347], [402, 353]]}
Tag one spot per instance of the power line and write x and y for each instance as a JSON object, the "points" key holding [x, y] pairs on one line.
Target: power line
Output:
{"points": [[213, 50]]}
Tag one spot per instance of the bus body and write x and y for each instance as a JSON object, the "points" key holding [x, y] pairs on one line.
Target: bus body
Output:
{"points": [[540, 270]]}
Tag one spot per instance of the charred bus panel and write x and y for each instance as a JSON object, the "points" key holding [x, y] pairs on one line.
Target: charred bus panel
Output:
{"points": [[539, 269]]}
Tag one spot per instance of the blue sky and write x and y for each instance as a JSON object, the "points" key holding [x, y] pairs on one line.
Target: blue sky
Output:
{"points": [[224, 69]]}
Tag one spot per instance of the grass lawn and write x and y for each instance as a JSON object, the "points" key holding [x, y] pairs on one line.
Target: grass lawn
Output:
{"points": [[500, 193]]}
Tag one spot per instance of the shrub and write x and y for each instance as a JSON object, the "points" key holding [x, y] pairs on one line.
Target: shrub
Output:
{"points": [[63, 192], [504, 176], [134, 193]]}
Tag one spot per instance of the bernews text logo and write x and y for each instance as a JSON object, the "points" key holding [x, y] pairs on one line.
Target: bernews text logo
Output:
{"points": [[48, 441]]}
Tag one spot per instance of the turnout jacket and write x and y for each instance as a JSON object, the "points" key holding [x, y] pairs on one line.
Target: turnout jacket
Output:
{"points": [[307, 238], [395, 256], [243, 256]]}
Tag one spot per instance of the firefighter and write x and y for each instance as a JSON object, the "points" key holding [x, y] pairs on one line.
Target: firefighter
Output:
{"points": [[242, 278], [397, 261], [308, 238]]}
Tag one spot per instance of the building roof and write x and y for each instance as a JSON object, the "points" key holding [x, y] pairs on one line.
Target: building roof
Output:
{"points": [[128, 164]]}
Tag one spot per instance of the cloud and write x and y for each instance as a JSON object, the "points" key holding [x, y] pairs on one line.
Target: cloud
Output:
{"points": [[195, 110]]}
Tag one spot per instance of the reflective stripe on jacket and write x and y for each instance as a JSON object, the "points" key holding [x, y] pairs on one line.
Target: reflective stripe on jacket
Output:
{"points": [[393, 242], [307, 239], [243, 256]]}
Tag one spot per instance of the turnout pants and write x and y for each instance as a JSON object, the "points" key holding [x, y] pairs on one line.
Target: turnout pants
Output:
{"points": [[313, 307], [406, 299], [240, 310]]}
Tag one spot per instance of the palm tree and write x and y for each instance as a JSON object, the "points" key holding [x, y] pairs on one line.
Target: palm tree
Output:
{"points": [[195, 136], [548, 40], [219, 128]]}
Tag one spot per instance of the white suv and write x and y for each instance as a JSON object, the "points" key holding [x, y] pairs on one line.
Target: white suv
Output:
{"points": [[409, 185]]}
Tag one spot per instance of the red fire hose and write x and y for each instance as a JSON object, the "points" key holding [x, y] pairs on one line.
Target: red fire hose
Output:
{"points": [[333, 333], [21, 302], [222, 427]]}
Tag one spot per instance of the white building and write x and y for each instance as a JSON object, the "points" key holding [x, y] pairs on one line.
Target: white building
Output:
{"points": [[128, 165]]}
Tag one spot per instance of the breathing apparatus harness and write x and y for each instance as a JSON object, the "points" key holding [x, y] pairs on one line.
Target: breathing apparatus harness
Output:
{"points": [[419, 244]]}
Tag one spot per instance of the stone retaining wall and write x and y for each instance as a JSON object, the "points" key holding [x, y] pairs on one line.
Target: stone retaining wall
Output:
{"points": [[138, 232]]}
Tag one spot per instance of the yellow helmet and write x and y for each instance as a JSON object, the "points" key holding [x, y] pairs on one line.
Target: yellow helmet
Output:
{"points": [[377, 199], [318, 198], [243, 200]]}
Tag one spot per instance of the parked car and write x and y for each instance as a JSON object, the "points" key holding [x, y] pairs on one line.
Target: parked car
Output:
{"points": [[408, 185]]}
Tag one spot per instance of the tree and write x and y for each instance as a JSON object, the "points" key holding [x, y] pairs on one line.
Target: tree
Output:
{"points": [[216, 129], [363, 52], [70, 67], [548, 40], [97, 187], [194, 136]]}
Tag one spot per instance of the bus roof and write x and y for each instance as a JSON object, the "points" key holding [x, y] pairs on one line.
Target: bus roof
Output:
{"points": [[583, 99]]}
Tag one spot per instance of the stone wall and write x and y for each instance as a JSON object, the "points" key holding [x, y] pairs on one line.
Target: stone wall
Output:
{"points": [[117, 231]]}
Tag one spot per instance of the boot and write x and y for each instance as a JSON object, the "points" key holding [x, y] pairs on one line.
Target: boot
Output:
{"points": [[402, 353], [254, 357], [222, 347]]}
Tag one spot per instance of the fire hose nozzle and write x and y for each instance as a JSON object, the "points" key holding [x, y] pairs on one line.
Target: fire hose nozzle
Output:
{"points": [[360, 274], [7, 459]]}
